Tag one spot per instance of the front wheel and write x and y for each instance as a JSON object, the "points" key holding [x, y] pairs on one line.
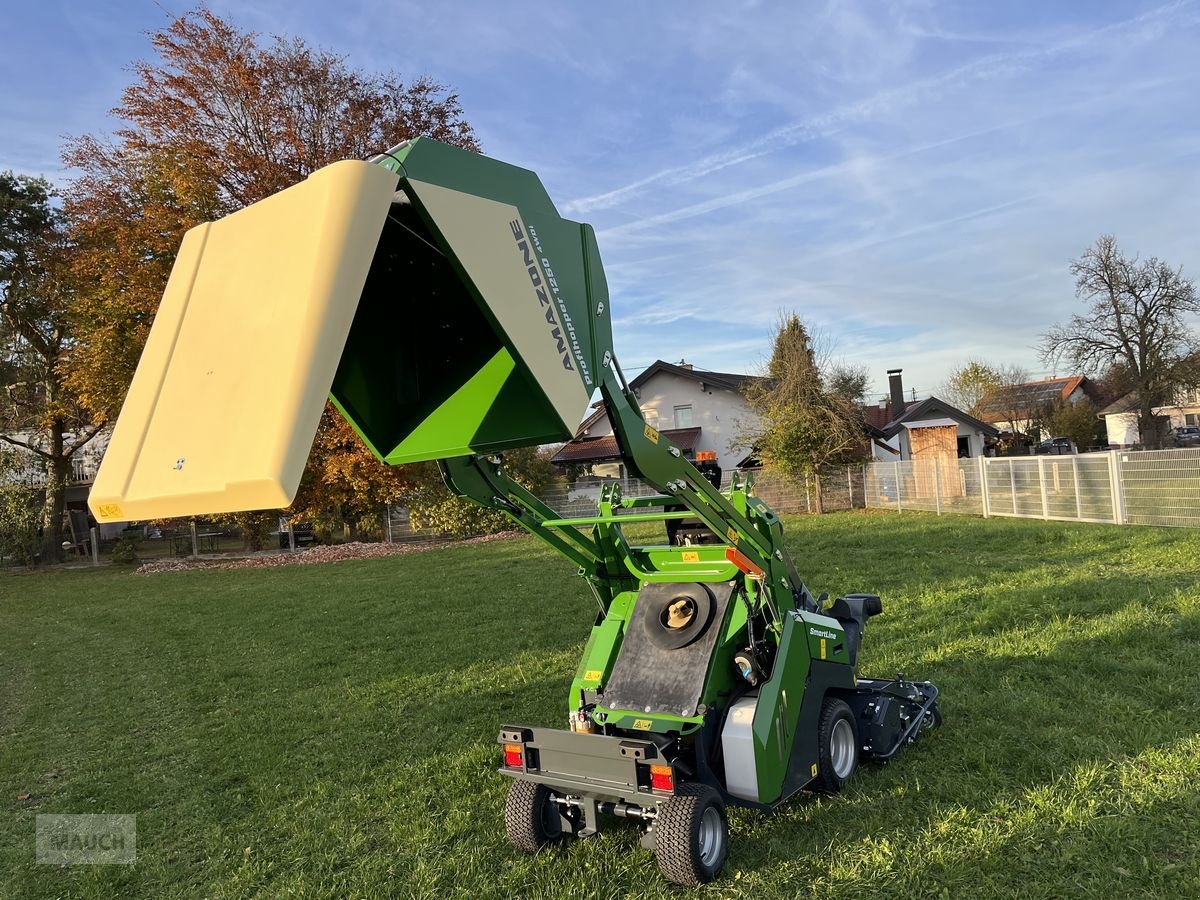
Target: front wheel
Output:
{"points": [[838, 747], [691, 835], [531, 816]]}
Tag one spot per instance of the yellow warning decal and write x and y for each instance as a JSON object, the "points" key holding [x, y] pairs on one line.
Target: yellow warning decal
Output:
{"points": [[109, 511], [691, 556], [733, 536], [651, 434], [642, 724], [822, 648], [814, 770], [593, 675]]}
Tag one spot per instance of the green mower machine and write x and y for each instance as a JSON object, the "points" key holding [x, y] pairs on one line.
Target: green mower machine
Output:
{"points": [[455, 315]]}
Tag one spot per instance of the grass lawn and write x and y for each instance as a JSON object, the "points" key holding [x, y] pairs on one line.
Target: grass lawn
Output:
{"points": [[329, 731]]}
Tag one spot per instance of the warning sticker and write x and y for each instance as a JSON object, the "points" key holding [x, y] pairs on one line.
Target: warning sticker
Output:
{"points": [[108, 511]]}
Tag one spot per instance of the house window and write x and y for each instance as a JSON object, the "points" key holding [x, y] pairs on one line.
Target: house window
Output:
{"points": [[650, 414], [1191, 419], [683, 416]]}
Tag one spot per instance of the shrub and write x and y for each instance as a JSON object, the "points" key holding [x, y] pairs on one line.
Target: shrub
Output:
{"points": [[20, 519], [124, 552]]}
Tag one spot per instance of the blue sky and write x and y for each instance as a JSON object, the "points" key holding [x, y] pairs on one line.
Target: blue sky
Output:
{"points": [[912, 177]]}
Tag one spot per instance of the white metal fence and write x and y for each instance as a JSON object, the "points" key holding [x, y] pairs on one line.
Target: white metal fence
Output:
{"points": [[1159, 487]]}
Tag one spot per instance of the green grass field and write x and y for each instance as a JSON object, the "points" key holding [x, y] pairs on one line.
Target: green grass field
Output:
{"points": [[328, 731]]}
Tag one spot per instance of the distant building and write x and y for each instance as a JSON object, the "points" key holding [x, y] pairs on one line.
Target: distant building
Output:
{"points": [[1121, 416], [1015, 406], [930, 428], [931, 434], [693, 408], [84, 464]]}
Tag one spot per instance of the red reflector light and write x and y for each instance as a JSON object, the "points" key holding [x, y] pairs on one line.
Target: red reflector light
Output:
{"points": [[513, 756], [739, 559], [662, 778]]}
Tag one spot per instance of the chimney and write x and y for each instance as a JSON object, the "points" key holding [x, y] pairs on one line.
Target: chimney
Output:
{"points": [[684, 364], [896, 385]]}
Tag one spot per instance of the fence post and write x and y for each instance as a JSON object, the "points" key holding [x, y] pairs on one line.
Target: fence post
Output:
{"points": [[1012, 483], [1042, 486], [983, 487], [899, 503], [1116, 487], [195, 541], [1075, 481], [94, 534], [387, 517], [937, 484], [807, 502], [850, 486], [291, 537], [866, 502]]}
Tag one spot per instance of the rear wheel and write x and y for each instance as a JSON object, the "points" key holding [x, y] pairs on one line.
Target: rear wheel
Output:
{"points": [[691, 835], [531, 816], [838, 746]]}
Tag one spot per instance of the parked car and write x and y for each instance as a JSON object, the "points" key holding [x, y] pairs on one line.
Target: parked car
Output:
{"points": [[1059, 446], [305, 532], [1187, 436]]}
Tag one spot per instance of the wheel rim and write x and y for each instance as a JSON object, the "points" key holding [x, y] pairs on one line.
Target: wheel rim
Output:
{"points": [[551, 822], [712, 837], [841, 748]]}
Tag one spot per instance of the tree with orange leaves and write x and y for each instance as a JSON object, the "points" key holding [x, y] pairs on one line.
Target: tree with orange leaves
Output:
{"points": [[218, 120]]}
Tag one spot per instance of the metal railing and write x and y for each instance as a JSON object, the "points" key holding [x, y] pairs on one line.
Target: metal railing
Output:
{"points": [[1121, 487]]}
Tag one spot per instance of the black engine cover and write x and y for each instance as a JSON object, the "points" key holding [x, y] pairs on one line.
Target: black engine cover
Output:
{"points": [[662, 670]]}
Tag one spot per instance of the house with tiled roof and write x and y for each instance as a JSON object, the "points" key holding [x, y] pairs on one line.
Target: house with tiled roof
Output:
{"points": [[695, 409], [1014, 406], [902, 430]]}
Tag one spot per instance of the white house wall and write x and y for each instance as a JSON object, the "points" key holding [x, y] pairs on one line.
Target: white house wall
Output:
{"points": [[1122, 429], [717, 412], [879, 453]]}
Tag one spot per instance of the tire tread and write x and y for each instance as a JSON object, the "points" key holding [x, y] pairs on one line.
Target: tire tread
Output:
{"points": [[826, 781], [678, 819], [523, 816]]}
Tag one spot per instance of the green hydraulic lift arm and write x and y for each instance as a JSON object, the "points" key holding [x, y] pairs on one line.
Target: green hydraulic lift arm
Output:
{"points": [[755, 531]]}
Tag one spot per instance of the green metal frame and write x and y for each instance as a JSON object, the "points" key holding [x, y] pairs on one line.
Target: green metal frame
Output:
{"points": [[616, 569], [493, 398]]}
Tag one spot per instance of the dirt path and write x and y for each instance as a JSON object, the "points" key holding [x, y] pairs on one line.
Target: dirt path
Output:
{"points": [[313, 555]]}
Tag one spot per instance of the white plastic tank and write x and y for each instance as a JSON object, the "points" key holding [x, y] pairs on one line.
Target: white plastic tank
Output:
{"points": [[737, 743]]}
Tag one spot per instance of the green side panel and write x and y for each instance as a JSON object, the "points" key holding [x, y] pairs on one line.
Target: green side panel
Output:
{"points": [[418, 377], [779, 701], [826, 638], [535, 424], [602, 647], [416, 338], [449, 429], [597, 289], [572, 248]]}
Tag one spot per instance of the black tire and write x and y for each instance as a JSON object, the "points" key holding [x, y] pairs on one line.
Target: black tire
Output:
{"points": [[834, 767], [691, 835], [531, 817]]}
